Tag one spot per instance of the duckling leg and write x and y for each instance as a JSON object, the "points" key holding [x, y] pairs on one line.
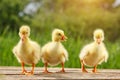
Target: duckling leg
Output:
{"points": [[95, 69], [23, 69], [32, 71], [46, 71], [62, 67], [83, 67]]}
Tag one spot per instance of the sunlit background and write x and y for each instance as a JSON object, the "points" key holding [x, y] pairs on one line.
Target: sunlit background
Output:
{"points": [[78, 18]]}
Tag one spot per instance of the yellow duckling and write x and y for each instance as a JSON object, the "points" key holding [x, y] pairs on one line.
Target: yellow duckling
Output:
{"points": [[94, 53], [27, 51], [54, 53]]}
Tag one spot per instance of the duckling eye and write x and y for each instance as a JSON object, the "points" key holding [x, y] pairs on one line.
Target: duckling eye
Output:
{"points": [[59, 34]]}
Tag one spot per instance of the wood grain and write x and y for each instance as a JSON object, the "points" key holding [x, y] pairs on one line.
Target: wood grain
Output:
{"points": [[14, 73]]}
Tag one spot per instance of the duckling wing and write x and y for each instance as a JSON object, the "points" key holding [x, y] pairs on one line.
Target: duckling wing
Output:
{"points": [[84, 52], [36, 50], [64, 52], [15, 51], [105, 52]]}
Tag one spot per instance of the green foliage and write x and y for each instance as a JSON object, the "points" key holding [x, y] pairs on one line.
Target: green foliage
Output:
{"points": [[78, 17], [9, 14]]}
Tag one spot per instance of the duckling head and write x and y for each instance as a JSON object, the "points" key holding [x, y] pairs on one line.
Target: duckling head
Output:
{"points": [[58, 35], [98, 36], [24, 32]]}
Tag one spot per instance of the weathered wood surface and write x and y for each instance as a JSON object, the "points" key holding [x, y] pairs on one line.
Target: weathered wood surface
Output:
{"points": [[13, 73]]}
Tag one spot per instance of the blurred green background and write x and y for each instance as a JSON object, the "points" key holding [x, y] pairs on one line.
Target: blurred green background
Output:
{"points": [[78, 18]]}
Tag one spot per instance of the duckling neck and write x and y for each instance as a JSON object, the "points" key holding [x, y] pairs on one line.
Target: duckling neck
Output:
{"points": [[56, 40], [97, 43], [26, 41]]}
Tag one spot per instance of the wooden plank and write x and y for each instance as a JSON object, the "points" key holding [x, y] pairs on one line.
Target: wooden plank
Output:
{"points": [[13, 73]]}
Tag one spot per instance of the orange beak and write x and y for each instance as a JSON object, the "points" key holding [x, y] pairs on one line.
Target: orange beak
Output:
{"points": [[98, 41], [23, 37], [63, 38]]}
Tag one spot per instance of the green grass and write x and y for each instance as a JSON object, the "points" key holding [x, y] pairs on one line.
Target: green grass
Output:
{"points": [[8, 41]]}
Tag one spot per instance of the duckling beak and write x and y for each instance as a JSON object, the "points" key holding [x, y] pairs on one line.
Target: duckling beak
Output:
{"points": [[64, 38], [23, 37], [98, 41]]}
